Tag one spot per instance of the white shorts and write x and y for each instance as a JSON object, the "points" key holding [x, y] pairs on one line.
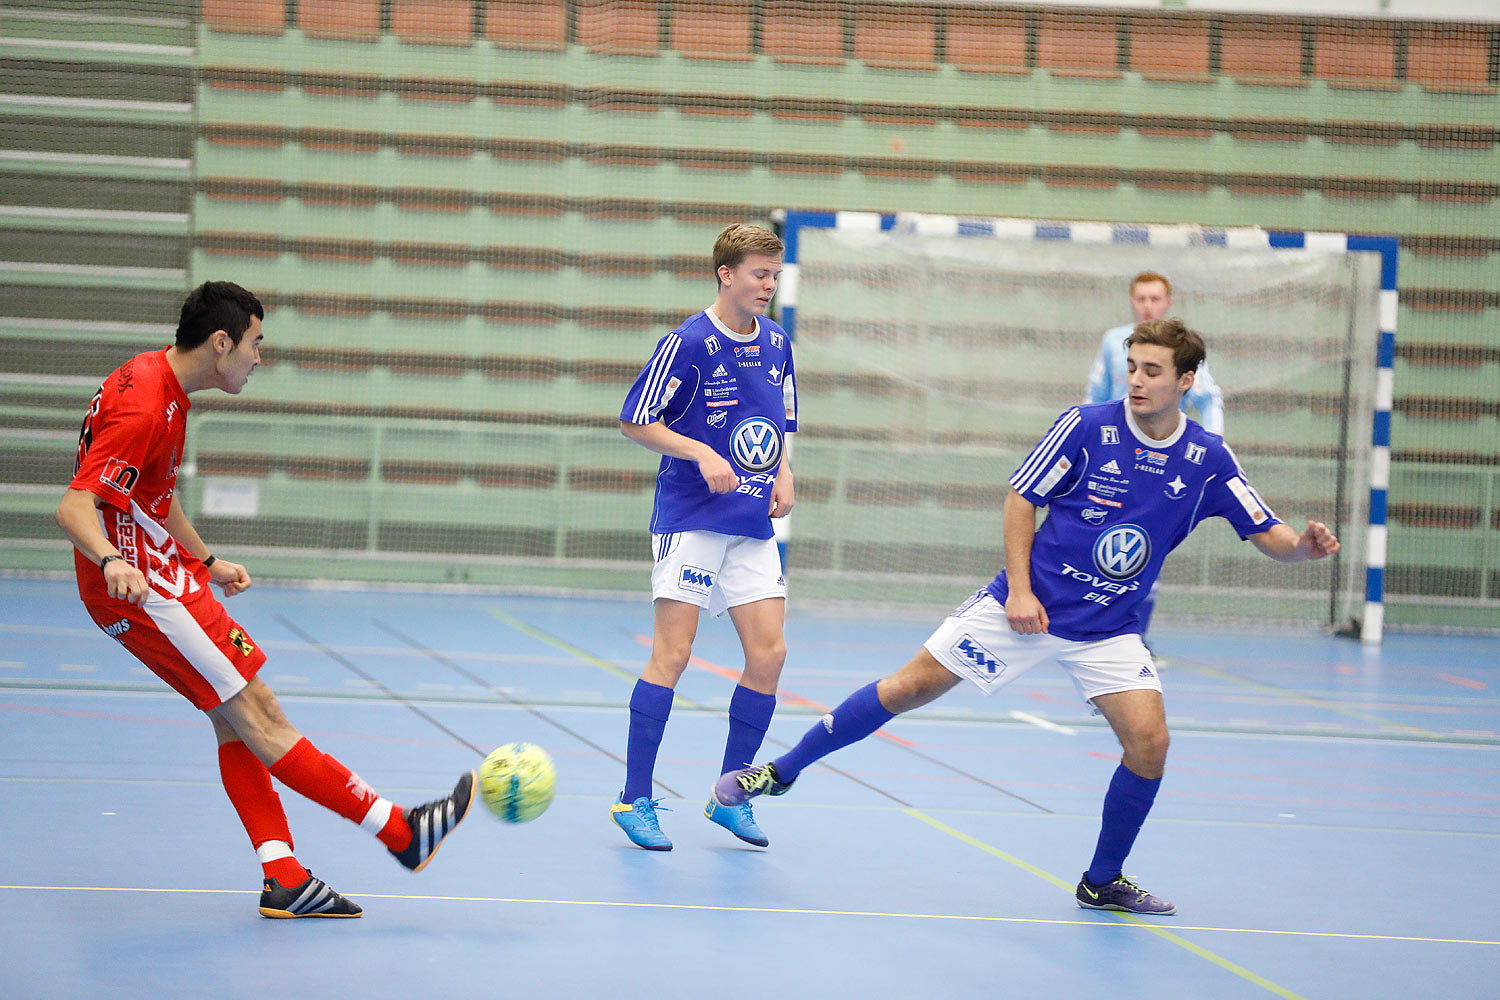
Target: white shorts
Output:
{"points": [[715, 571], [976, 643]]}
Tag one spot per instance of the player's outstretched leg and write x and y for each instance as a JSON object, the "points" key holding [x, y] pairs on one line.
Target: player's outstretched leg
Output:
{"points": [[856, 717], [432, 821], [312, 898], [411, 835]]}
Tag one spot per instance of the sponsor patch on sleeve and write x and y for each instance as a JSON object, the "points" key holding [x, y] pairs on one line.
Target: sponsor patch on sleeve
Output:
{"points": [[1247, 500], [1058, 470]]}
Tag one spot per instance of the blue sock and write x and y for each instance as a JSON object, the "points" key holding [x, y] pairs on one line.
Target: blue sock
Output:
{"points": [[650, 704], [860, 715], [1126, 804], [749, 718]]}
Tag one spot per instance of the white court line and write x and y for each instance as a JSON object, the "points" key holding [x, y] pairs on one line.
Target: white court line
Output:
{"points": [[137, 48], [97, 159], [92, 215], [98, 103], [94, 270], [93, 326], [19, 378], [78, 668], [1041, 723]]}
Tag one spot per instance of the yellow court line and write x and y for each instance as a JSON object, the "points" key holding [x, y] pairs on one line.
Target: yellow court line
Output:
{"points": [[788, 911], [582, 654], [561, 644], [1161, 932]]}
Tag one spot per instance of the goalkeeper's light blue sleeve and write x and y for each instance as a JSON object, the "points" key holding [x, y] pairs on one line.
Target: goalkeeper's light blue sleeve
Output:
{"points": [[1208, 399], [1107, 377]]}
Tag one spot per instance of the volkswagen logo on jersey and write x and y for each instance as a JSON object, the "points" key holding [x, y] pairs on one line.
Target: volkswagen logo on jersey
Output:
{"points": [[1122, 552], [755, 444]]}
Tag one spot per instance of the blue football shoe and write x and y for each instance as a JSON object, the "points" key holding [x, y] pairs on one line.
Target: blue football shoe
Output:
{"points": [[738, 820], [638, 820]]}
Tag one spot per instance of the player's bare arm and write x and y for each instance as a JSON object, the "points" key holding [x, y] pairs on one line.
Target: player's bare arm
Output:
{"points": [[783, 495], [1283, 544], [77, 519], [660, 438], [1024, 612], [231, 577]]}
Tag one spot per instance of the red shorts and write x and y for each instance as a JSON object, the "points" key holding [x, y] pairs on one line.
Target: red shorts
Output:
{"points": [[192, 643]]}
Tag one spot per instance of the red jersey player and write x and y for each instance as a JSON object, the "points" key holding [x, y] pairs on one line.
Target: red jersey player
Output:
{"points": [[144, 575]]}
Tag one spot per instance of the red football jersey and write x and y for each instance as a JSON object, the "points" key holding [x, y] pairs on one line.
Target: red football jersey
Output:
{"points": [[128, 453]]}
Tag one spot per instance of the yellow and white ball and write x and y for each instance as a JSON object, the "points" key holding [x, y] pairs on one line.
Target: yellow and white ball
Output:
{"points": [[517, 782]]}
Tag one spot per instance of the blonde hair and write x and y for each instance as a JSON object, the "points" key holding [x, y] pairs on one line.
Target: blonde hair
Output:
{"points": [[1186, 346], [738, 241]]}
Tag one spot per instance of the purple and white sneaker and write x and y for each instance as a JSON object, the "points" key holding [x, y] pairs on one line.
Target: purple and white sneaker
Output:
{"points": [[1121, 894], [737, 787]]}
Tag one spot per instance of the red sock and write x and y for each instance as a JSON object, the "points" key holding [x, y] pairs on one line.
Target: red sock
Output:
{"points": [[248, 785], [313, 774]]}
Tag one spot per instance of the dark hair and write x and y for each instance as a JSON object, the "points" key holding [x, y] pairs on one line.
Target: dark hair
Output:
{"points": [[216, 305], [1186, 346]]}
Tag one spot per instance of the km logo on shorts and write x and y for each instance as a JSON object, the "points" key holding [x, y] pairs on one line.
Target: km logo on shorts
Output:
{"points": [[981, 656], [698, 579]]}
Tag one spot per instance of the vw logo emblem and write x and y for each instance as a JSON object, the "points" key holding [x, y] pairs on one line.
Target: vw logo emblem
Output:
{"points": [[1121, 553], [755, 444]]}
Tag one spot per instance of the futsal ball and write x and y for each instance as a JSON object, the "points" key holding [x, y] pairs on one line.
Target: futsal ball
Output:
{"points": [[517, 781]]}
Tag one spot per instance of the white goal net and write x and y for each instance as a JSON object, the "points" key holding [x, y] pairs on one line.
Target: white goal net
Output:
{"points": [[931, 362]]}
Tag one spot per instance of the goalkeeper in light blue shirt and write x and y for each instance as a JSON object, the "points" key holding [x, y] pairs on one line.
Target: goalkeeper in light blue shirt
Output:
{"points": [[1124, 482], [1150, 298]]}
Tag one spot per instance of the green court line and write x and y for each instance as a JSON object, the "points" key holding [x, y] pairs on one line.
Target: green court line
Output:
{"points": [[786, 910], [1159, 931], [557, 642], [1310, 701]]}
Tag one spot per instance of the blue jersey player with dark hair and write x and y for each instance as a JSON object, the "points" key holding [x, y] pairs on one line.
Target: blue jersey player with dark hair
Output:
{"points": [[1125, 481], [716, 401]]}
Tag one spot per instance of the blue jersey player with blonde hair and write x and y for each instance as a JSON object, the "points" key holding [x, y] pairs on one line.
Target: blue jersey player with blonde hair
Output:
{"points": [[716, 401], [1125, 481]]}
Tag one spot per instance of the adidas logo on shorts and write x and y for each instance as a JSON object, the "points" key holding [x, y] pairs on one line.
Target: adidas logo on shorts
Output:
{"points": [[1145, 672]]}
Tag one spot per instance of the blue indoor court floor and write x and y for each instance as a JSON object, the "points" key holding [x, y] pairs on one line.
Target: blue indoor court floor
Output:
{"points": [[1327, 827]]}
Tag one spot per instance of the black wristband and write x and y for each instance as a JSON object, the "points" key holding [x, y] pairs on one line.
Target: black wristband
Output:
{"points": [[209, 561], [107, 560]]}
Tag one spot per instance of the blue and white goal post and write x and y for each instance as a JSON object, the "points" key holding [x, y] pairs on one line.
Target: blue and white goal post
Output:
{"points": [[1368, 343]]}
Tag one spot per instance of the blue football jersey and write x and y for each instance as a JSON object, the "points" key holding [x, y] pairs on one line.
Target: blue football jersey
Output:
{"points": [[1118, 503], [735, 393]]}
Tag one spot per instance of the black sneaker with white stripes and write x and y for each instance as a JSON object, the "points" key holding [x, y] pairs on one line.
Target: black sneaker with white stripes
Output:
{"points": [[433, 821], [313, 898]]}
